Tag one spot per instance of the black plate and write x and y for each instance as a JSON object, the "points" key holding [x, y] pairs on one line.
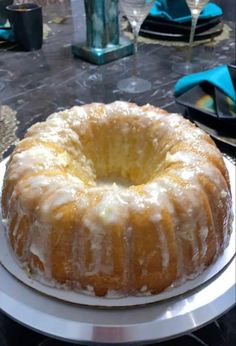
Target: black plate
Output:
{"points": [[225, 107], [212, 108], [219, 136], [167, 26], [184, 37]]}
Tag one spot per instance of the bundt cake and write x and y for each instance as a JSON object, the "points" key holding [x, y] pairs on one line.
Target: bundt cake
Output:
{"points": [[116, 198]]}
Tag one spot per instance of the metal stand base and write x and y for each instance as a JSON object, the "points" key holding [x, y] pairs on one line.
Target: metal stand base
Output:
{"points": [[100, 56]]}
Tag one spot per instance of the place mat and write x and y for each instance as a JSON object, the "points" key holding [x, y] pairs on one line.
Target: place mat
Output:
{"points": [[8, 127]]}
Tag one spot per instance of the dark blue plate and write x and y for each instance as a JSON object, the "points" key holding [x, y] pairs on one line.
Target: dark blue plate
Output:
{"points": [[167, 26], [211, 107], [181, 35]]}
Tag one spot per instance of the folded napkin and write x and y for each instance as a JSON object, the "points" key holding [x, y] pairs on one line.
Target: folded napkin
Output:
{"points": [[177, 10], [219, 77], [6, 35]]}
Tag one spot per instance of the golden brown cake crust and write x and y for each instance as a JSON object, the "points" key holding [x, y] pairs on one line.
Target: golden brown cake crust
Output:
{"points": [[116, 198]]}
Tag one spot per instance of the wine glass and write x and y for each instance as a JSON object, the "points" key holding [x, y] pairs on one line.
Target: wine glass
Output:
{"points": [[4, 77], [2, 86], [136, 11], [190, 66]]}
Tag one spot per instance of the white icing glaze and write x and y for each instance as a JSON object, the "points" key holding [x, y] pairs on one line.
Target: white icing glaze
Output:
{"points": [[35, 249], [224, 193], [203, 235], [111, 209], [32, 160], [164, 249], [187, 157]]}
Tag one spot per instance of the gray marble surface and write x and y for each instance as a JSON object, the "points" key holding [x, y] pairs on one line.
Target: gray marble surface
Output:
{"points": [[41, 82]]}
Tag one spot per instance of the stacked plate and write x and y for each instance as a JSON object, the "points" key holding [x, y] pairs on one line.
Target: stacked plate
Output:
{"points": [[163, 29], [214, 111]]}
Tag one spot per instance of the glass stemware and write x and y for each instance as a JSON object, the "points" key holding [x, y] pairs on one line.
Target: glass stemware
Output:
{"points": [[190, 65], [5, 76], [136, 11], [1, 86]]}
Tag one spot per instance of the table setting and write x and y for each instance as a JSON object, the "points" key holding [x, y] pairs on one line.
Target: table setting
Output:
{"points": [[171, 19], [211, 101], [168, 67]]}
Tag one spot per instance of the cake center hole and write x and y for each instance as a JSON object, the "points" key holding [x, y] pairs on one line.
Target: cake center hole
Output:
{"points": [[119, 181]]}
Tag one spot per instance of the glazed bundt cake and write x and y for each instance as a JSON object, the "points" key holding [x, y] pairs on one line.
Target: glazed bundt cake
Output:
{"points": [[116, 198]]}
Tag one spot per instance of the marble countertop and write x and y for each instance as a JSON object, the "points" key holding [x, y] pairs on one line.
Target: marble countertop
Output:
{"points": [[41, 82]]}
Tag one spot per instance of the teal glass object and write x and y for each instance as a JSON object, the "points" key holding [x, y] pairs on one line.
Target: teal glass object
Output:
{"points": [[102, 23], [103, 42]]}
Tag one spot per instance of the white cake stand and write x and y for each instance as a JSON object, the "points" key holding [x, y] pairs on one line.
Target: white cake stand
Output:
{"points": [[150, 323]]}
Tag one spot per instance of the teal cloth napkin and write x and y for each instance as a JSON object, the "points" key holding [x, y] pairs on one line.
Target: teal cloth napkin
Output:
{"points": [[7, 35], [177, 10], [218, 77]]}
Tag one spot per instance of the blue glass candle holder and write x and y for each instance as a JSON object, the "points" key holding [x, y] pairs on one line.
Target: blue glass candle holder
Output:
{"points": [[103, 42]]}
